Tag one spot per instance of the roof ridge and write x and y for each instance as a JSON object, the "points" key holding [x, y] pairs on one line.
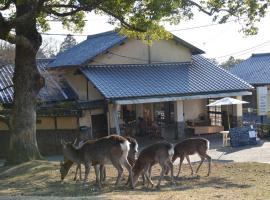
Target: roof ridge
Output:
{"points": [[260, 54], [101, 34], [138, 64]]}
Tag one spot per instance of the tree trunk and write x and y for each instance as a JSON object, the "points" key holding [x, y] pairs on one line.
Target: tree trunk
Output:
{"points": [[27, 83]]}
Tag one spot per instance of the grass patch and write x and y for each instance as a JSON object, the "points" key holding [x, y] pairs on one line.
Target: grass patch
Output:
{"points": [[227, 181]]}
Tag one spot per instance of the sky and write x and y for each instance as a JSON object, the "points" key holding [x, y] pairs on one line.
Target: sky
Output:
{"points": [[218, 41]]}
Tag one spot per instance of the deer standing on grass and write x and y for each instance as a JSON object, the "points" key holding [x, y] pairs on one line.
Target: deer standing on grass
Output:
{"points": [[161, 153], [112, 149], [67, 164], [189, 147]]}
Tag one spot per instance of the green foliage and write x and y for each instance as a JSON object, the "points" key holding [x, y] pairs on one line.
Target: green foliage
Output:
{"points": [[68, 42], [230, 63], [144, 16]]}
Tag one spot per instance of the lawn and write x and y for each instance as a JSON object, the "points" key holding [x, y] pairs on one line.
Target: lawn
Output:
{"points": [[41, 180]]}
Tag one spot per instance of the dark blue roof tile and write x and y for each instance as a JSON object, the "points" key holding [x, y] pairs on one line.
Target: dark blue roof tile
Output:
{"points": [[87, 50], [52, 91], [162, 79], [255, 70]]}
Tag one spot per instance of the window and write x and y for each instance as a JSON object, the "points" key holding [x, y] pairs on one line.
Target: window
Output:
{"points": [[215, 114]]}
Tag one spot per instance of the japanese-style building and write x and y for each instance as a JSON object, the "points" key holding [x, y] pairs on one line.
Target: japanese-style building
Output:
{"points": [[256, 71], [109, 81]]}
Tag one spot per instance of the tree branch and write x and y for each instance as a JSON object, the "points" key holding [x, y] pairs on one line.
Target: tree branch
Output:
{"points": [[122, 20], [65, 14], [211, 11]]}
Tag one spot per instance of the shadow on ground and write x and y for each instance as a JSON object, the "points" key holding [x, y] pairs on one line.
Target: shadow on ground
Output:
{"points": [[41, 178]]}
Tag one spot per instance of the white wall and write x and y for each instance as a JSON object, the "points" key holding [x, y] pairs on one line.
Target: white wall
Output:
{"points": [[192, 108]]}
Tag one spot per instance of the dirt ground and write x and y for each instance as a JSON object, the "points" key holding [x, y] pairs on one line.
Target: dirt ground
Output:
{"points": [[41, 180]]}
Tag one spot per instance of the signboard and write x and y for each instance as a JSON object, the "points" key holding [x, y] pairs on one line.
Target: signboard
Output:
{"points": [[262, 100]]}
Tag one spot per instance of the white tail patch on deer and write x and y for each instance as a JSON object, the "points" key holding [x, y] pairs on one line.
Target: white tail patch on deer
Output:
{"points": [[125, 146], [171, 151]]}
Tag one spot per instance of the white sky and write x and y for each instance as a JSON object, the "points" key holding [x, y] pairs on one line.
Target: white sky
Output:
{"points": [[216, 41]]}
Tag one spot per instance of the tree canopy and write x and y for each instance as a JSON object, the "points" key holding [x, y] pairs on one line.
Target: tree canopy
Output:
{"points": [[134, 16]]}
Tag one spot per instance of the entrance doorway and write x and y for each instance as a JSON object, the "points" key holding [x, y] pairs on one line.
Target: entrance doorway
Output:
{"points": [[99, 125]]}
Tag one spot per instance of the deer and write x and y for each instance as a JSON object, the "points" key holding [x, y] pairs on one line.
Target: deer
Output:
{"points": [[161, 153], [112, 149], [191, 146], [66, 165]]}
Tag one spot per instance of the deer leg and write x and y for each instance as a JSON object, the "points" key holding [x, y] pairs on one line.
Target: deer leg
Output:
{"points": [[98, 174], [146, 175], [170, 165], [180, 164], [102, 173], [75, 177], [161, 175], [192, 172], [129, 168], [87, 170], [209, 163], [202, 159], [120, 170], [80, 169]]}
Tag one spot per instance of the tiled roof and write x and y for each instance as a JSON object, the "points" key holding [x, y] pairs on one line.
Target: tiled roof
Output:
{"points": [[52, 91], [88, 49], [163, 79], [255, 70], [97, 44]]}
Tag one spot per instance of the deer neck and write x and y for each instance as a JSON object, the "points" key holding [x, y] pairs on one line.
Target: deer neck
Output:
{"points": [[73, 155]]}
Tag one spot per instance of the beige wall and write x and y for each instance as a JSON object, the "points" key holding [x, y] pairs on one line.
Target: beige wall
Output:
{"points": [[78, 83], [46, 123], [169, 51], [192, 108], [160, 51], [67, 123], [93, 93], [85, 120]]}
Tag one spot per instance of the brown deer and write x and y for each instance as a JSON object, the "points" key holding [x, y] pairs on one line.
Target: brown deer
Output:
{"points": [[112, 149], [161, 153], [66, 165], [189, 147]]}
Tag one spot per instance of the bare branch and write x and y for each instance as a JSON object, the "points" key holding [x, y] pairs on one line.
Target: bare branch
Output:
{"points": [[64, 14], [123, 22], [211, 11]]}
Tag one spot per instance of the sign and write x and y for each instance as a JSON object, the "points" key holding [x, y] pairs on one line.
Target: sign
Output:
{"points": [[262, 100]]}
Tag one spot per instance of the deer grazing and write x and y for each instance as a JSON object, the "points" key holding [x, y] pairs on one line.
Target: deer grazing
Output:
{"points": [[161, 153], [66, 165], [189, 147], [112, 149]]}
